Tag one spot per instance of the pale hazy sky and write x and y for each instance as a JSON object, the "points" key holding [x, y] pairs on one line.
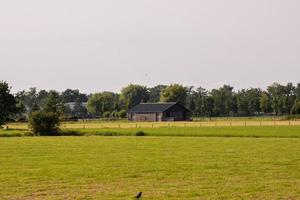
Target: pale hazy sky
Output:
{"points": [[97, 45]]}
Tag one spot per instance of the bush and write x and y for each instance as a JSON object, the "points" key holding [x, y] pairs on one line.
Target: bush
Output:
{"points": [[140, 133], [114, 114], [44, 123], [106, 114], [296, 108], [122, 114]]}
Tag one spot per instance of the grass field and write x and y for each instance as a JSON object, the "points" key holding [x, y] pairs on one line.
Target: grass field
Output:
{"points": [[162, 167], [236, 161]]}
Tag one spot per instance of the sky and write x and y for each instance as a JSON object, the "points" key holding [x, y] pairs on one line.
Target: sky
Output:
{"points": [[103, 45]]}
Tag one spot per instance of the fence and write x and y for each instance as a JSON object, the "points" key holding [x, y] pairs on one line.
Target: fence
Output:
{"points": [[199, 124]]}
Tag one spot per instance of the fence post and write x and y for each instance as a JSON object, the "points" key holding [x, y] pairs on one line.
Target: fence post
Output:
{"points": [[245, 123], [289, 123], [200, 124], [119, 125], [230, 123], [136, 125]]}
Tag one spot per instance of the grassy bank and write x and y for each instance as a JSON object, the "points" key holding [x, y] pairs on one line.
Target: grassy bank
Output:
{"points": [[251, 131]]}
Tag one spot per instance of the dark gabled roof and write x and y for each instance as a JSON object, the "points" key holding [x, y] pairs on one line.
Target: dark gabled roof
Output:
{"points": [[153, 107]]}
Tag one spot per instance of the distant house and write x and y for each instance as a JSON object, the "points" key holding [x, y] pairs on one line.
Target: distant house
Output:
{"points": [[71, 105], [159, 112]]}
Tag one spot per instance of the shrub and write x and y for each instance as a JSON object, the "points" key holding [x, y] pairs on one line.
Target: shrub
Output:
{"points": [[106, 114], [296, 108], [44, 123], [140, 133], [122, 114], [113, 114]]}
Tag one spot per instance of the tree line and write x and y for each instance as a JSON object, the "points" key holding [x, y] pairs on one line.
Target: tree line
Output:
{"points": [[277, 99]]}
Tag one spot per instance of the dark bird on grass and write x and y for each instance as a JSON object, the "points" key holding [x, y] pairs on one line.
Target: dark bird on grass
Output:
{"points": [[138, 196]]}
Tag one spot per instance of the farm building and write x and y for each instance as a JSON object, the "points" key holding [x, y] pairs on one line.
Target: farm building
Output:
{"points": [[159, 112]]}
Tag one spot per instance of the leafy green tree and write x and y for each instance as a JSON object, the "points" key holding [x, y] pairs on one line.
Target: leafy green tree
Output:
{"points": [[200, 98], [296, 108], [70, 95], [46, 120], [100, 103], [225, 103], [276, 92], [132, 95], [79, 110], [174, 93], [297, 91], [31, 100], [242, 103], [265, 103], [53, 103], [155, 92], [282, 97], [209, 106], [289, 98], [7, 102], [44, 123], [191, 99], [248, 102]]}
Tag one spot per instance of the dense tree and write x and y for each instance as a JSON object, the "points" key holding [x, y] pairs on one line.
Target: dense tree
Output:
{"points": [[174, 93], [31, 100], [100, 103], [44, 123], [277, 99], [225, 104], [70, 95], [53, 103], [7, 102], [297, 91], [132, 95], [79, 110], [276, 92], [46, 120], [248, 102], [201, 104], [282, 97], [265, 103], [296, 108], [289, 98], [155, 92], [191, 99]]}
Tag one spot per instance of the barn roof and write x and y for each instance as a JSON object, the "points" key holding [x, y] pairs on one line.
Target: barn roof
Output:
{"points": [[152, 107]]}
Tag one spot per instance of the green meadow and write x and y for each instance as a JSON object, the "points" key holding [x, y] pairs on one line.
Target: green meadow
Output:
{"points": [[163, 168], [236, 162]]}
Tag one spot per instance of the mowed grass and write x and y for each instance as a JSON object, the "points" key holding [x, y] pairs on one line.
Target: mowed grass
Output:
{"points": [[54, 168]]}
